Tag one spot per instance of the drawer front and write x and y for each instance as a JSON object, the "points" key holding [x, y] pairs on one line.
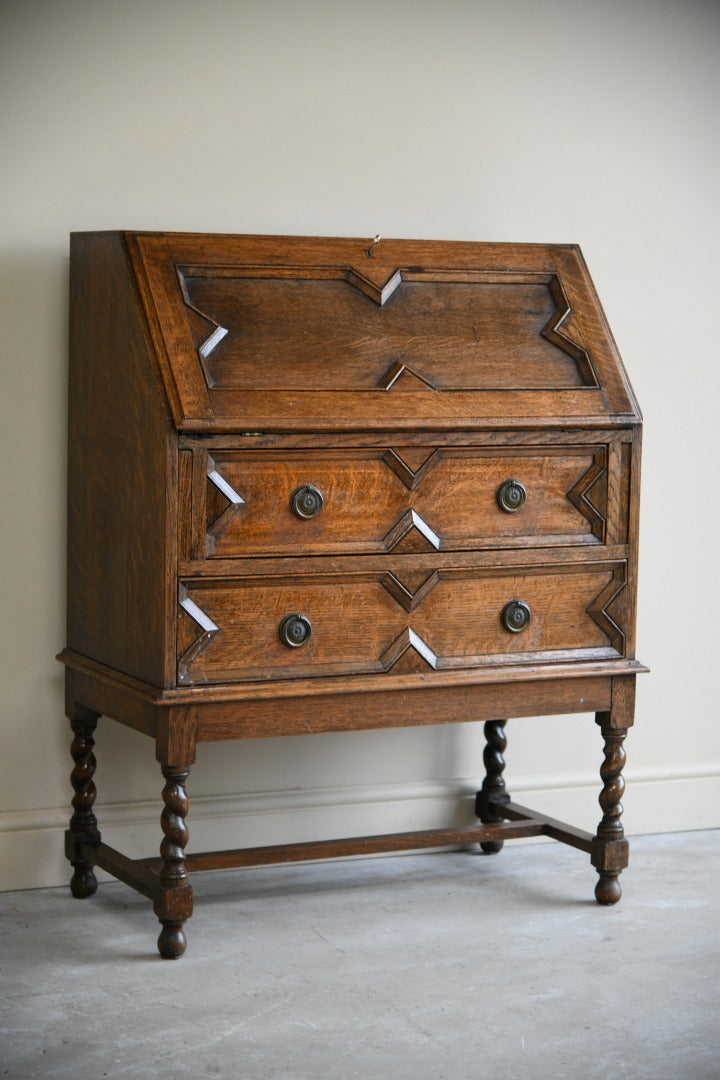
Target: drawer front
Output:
{"points": [[342, 624], [400, 500]]}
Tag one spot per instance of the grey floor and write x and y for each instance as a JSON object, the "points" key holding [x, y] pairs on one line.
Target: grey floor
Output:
{"points": [[437, 966]]}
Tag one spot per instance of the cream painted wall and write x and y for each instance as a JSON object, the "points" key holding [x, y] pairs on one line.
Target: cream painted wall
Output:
{"points": [[566, 120]]}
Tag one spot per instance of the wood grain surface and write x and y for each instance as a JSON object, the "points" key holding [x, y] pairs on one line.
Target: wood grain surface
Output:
{"points": [[406, 383]]}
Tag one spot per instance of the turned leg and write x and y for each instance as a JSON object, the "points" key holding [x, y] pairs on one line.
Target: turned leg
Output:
{"points": [[609, 851], [83, 833], [173, 899], [493, 786]]}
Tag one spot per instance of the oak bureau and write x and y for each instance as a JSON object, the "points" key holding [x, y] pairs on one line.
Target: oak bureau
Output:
{"points": [[328, 484]]}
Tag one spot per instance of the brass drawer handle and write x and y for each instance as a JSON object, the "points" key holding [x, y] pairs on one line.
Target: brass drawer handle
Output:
{"points": [[511, 496], [306, 502], [515, 616], [295, 630]]}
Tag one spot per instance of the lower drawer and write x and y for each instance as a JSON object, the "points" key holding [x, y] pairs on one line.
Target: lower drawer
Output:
{"points": [[372, 622]]}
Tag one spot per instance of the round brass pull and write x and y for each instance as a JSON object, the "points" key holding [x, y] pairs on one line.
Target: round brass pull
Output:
{"points": [[515, 616], [295, 630], [511, 496], [306, 502]]}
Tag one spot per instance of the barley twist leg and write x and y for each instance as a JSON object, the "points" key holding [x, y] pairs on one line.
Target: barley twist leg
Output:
{"points": [[609, 852], [493, 786], [83, 831], [173, 900]]}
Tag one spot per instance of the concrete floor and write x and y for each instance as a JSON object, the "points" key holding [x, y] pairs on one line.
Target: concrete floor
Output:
{"points": [[433, 966]]}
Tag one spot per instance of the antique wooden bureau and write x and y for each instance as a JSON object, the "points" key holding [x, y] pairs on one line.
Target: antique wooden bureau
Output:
{"points": [[328, 484]]}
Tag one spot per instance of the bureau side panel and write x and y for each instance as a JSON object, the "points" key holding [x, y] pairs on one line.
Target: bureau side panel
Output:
{"points": [[121, 473], [633, 499]]}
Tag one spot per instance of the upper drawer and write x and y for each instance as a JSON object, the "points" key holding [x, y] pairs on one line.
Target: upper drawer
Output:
{"points": [[408, 499]]}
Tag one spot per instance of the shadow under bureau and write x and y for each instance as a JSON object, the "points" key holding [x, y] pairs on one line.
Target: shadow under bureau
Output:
{"points": [[330, 484]]}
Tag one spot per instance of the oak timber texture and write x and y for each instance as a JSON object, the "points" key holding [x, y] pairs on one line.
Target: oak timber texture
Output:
{"points": [[393, 364], [367, 506], [122, 465], [402, 387], [329, 335], [363, 623]]}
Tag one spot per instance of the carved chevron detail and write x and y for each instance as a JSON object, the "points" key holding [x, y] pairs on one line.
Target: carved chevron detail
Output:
{"points": [[599, 609], [407, 597], [408, 653], [191, 643], [199, 322], [399, 372], [552, 332], [408, 647], [212, 341], [412, 534], [223, 504], [222, 485], [579, 495], [379, 293], [411, 477]]}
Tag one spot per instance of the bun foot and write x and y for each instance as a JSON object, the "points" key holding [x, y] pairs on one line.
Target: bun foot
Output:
{"points": [[491, 847], [83, 882], [608, 890], [172, 942]]}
